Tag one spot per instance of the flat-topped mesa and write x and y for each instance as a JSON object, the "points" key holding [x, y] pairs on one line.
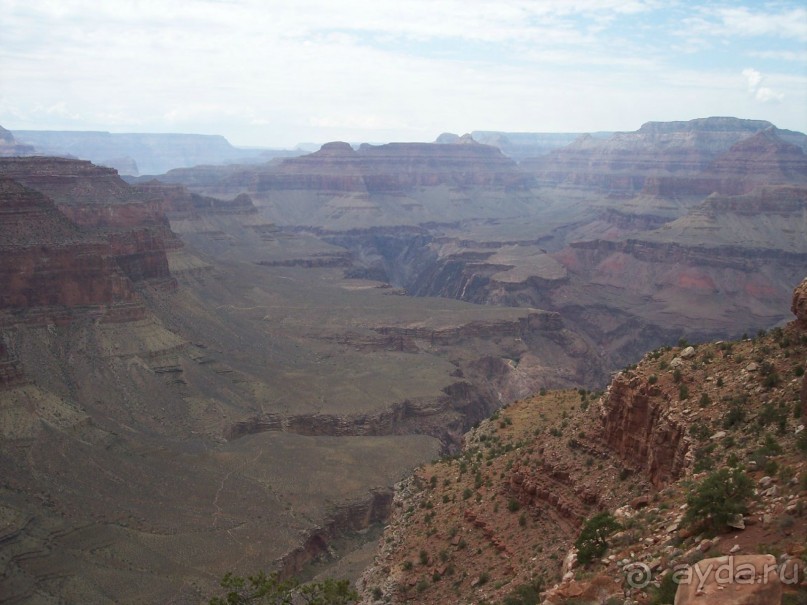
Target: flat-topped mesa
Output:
{"points": [[396, 167], [52, 269], [97, 199], [624, 162]]}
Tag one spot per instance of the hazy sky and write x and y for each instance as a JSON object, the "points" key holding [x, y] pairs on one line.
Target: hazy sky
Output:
{"points": [[279, 72]]}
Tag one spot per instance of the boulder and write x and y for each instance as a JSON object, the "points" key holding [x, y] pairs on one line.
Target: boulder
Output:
{"points": [[688, 353], [731, 580]]}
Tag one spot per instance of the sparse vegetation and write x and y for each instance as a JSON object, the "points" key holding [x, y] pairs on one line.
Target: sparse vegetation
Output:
{"points": [[719, 497], [592, 542], [271, 590]]}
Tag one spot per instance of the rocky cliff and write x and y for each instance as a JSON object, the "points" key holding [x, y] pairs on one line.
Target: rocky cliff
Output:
{"points": [[623, 163], [763, 159], [51, 267], [96, 199]]}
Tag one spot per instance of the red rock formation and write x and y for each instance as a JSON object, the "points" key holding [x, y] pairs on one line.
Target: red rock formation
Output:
{"points": [[47, 262], [97, 199], [637, 425], [799, 304]]}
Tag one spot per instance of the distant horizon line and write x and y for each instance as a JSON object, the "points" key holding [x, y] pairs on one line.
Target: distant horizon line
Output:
{"points": [[306, 145]]}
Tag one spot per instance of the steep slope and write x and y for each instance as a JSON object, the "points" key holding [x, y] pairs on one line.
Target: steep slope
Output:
{"points": [[501, 519]]}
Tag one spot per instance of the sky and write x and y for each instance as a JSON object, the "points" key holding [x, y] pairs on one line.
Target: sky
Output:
{"points": [[275, 73]]}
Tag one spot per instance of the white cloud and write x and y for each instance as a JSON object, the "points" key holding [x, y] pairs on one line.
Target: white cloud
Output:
{"points": [[753, 77], [761, 93]]}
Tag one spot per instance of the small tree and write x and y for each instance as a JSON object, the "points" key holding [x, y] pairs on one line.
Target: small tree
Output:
{"points": [[719, 497], [592, 542]]}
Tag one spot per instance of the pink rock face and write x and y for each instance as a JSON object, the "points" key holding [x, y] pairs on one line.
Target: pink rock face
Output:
{"points": [[733, 580]]}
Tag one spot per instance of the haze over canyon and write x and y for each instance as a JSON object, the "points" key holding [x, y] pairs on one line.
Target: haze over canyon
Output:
{"points": [[221, 359]]}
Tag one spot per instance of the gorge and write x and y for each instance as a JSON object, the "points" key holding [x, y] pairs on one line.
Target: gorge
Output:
{"points": [[244, 359]]}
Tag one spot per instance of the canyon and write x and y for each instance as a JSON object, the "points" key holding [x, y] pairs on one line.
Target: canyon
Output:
{"points": [[246, 358]]}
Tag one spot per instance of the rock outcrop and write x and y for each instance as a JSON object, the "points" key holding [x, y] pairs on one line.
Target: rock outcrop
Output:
{"points": [[799, 304], [637, 425], [50, 265], [96, 199]]}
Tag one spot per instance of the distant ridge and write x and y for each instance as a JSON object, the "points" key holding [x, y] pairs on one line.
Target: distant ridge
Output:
{"points": [[145, 153]]}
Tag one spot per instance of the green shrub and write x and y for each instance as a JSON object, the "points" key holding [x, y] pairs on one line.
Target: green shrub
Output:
{"points": [[525, 594], [665, 593], [592, 542], [735, 416], [719, 497]]}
